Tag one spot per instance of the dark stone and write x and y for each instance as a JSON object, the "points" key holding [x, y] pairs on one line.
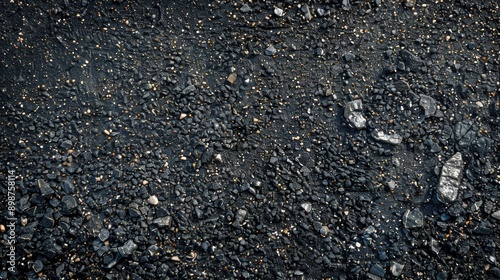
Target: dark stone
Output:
{"points": [[163, 221], [413, 218], [378, 270], [45, 189], [69, 204], [38, 266], [411, 60]]}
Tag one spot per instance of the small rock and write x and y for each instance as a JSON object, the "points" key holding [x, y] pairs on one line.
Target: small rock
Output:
{"points": [[413, 218], [353, 112], [66, 144], [378, 270], [129, 247], [153, 200], [429, 105], [278, 12], [496, 215], [402, 86], [270, 51], [349, 56], [449, 182], [411, 60], [163, 221], [45, 189], [306, 206], [381, 136], [68, 203], [103, 234], [245, 9], [218, 158], [232, 78], [396, 269], [346, 5], [188, 89], [307, 12], [410, 3], [38, 266], [239, 217]]}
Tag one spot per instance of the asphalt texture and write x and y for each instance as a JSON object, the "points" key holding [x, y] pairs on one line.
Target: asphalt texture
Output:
{"points": [[256, 139]]}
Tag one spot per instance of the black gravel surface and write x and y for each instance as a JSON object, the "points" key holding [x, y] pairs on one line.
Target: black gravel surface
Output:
{"points": [[250, 139]]}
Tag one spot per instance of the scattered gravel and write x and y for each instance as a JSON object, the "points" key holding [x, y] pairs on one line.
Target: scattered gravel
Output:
{"points": [[251, 139]]}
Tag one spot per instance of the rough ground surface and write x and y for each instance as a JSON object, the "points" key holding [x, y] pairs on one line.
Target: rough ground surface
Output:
{"points": [[204, 140]]}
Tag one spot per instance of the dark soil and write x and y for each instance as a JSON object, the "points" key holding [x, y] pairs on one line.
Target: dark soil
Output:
{"points": [[213, 140]]}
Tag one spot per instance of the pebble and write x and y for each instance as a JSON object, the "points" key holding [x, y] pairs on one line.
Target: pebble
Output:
{"points": [[496, 215], [413, 218], [306, 206], [411, 60], [45, 189], [129, 247], [38, 266], [278, 12], [378, 270], [103, 234], [449, 181], [68, 203], [396, 269], [306, 11], [429, 105], [153, 200], [349, 56], [245, 8], [163, 221], [239, 217], [270, 51], [232, 78], [394, 139], [353, 112]]}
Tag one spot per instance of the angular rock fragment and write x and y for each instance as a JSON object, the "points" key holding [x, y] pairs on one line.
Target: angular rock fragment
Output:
{"points": [[429, 105], [411, 60], [353, 112], [163, 221], [381, 136], [449, 182], [396, 269], [413, 218], [240, 216]]}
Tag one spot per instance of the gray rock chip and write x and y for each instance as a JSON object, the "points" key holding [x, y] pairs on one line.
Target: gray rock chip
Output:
{"points": [[449, 182], [429, 105], [271, 50], [68, 203], [413, 218], [496, 215], [163, 221], [278, 12], [378, 270], [104, 235], [38, 266], [381, 136], [353, 112], [66, 144], [410, 3], [307, 12], [245, 9], [411, 60], [349, 56], [396, 269], [238, 219], [45, 189], [129, 247]]}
